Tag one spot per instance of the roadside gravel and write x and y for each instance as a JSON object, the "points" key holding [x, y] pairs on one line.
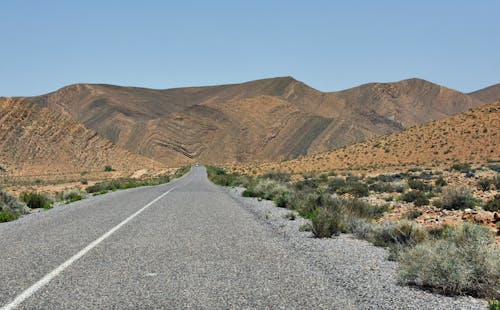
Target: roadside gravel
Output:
{"points": [[355, 265]]}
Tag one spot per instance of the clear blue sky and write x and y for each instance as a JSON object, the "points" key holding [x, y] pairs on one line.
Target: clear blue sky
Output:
{"points": [[329, 45]]}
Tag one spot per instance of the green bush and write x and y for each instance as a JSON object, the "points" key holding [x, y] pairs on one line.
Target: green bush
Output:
{"points": [[418, 185], [7, 216], [361, 209], [11, 205], [417, 197], [494, 304], [457, 198], [493, 204], [36, 200], [484, 184], [306, 203], [335, 184], [306, 184], [277, 176], [73, 195], [402, 233], [108, 169], [283, 199], [219, 176], [381, 187], [328, 221], [465, 261], [355, 188]]}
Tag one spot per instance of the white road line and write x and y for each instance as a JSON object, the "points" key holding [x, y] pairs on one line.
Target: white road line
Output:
{"points": [[48, 277]]}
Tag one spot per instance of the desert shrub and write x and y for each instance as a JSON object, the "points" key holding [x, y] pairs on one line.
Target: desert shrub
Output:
{"points": [[10, 204], [305, 227], [404, 233], [36, 200], [283, 199], [108, 169], [291, 216], [494, 304], [355, 188], [361, 209], [306, 184], [328, 221], [388, 177], [382, 187], [464, 261], [398, 236], [457, 198], [493, 204], [306, 203], [277, 176], [418, 185], [496, 182], [361, 228], [221, 177], [462, 167], [84, 181], [269, 189], [495, 167], [335, 184], [73, 195], [415, 196], [484, 184], [440, 182], [7, 216]]}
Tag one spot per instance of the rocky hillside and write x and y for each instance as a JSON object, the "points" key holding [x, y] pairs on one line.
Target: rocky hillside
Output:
{"points": [[472, 136], [269, 119], [489, 94], [36, 140]]}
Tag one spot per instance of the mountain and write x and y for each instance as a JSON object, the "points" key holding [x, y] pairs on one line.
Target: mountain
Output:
{"points": [[270, 119], [489, 94], [471, 136], [36, 140]]}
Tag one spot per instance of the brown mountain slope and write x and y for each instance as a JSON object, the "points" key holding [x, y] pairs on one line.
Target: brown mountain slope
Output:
{"points": [[260, 120], [36, 140], [472, 136], [489, 94]]}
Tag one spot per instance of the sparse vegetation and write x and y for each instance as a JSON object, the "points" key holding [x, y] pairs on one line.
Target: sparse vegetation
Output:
{"points": [[108, 169], [461, 167], [314, 197], [10, 207], [36, 200], [124, 183], [457, 198], [484, 184], [493, 204], [419, 198], [221, 177], [464, 261], [73, 195]]}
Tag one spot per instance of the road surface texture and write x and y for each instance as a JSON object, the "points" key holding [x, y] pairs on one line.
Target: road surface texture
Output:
{"points": [[186, 244]]}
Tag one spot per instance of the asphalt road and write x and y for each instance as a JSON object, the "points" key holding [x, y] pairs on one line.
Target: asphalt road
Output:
{"points": [[186, 244]]}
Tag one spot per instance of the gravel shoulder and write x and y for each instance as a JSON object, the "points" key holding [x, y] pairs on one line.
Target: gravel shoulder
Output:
{"points": [[355, 265]]}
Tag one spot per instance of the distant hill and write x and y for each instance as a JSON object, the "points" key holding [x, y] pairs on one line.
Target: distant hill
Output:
{"points": [[472, 136], [270, 119], [37, 140], [489, 94]]}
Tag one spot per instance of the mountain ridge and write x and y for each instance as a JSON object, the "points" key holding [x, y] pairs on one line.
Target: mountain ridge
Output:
{"points": [[289, 118]]}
